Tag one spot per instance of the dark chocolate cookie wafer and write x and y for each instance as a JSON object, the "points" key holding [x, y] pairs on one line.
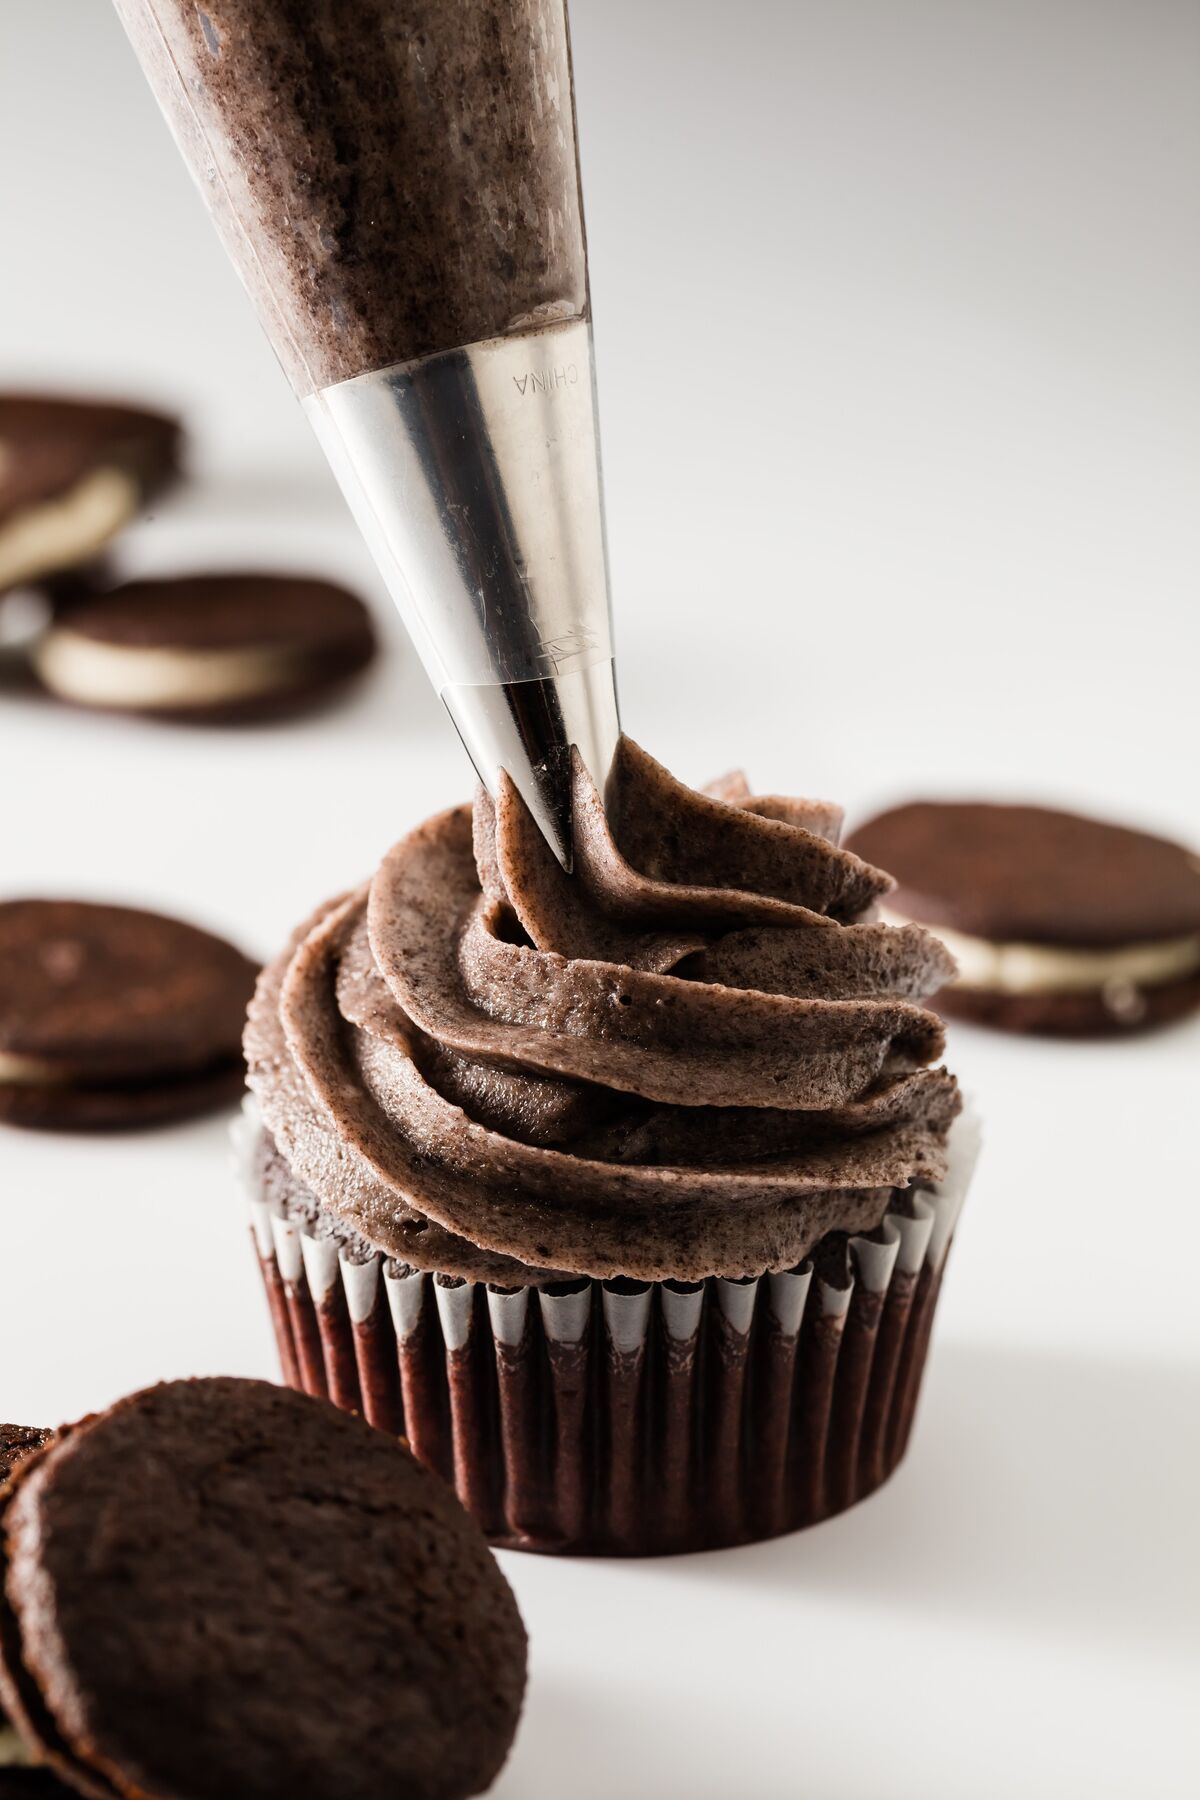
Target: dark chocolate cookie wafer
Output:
{"points": [[18, 1781], [72, 474], [208, 647], [111, 1016], [1058, 923], [223, 1588], [24, 1783], [16, 1442]]}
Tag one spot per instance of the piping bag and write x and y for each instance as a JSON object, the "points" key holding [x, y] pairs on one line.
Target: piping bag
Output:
{"points": [[397, 182]]}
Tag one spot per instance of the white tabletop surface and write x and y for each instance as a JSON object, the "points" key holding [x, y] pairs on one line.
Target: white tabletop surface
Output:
{"points": [[938, 536]]}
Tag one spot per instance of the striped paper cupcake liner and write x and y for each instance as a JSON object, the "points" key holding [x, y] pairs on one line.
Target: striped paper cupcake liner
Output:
{"points": [[628, 1417]]}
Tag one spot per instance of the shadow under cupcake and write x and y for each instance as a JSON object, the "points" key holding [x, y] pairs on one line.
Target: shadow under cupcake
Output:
{"points": [[624, 1196]]}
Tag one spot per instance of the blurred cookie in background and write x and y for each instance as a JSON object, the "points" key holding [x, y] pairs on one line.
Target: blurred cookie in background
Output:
{"points": [[112, 1017], [26, 612], [1058, 923], [73, 473], [207, 648], [24, 615]]}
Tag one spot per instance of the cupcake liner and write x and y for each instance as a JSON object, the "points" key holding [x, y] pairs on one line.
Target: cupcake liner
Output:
{"points": [[627, 1417]]}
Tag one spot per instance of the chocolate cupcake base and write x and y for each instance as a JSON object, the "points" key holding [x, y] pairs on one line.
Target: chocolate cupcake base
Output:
{"points": [[623, 1417]]}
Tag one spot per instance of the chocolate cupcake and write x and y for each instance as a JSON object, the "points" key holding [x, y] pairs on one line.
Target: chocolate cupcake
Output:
{"points": [[625, 1196]]}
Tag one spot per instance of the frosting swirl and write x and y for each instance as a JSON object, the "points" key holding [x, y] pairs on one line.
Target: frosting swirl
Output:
{"points": [[696, 1055]]}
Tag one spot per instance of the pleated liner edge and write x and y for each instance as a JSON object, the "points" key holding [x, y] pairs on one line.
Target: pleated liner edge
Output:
{"points": [[629, 1418]]}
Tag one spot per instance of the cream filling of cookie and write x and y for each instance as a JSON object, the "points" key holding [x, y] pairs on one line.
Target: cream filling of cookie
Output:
{"points": [[997, 968], [30, 1071], [59, 533], [13, 1754], [97, 674]]}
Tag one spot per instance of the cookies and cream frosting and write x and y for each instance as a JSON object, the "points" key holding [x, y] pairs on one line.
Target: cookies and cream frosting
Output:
{"points": [[697, 1055]]}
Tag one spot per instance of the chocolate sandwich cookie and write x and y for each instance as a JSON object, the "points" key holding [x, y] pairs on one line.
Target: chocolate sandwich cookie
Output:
{"points": [[17, 1441], [25, 612], [18, 1780], [72, 474], [24, 615], [1058, 923], [113, 1017], [223, 1588], [208, 647]]}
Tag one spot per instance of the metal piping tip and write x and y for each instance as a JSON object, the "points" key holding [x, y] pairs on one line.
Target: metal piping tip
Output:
{"points": [[529, 729], [475, 478]]}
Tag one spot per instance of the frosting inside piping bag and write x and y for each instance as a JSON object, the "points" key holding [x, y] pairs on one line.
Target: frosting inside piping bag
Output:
{"points": [[695, 1056]]}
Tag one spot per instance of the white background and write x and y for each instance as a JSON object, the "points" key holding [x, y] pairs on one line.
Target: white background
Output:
{"points": [[897, 310]]}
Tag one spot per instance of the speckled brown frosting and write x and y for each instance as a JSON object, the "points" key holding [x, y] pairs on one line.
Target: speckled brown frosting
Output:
{"points": [[693, 1057], [391, 177]]}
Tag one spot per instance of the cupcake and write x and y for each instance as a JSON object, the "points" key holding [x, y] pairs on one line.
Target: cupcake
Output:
{"points": [[625, 1195]]}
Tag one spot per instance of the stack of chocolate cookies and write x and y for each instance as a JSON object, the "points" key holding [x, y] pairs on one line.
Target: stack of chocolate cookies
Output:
{"points": [[218, 1588], [206, 648]]}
